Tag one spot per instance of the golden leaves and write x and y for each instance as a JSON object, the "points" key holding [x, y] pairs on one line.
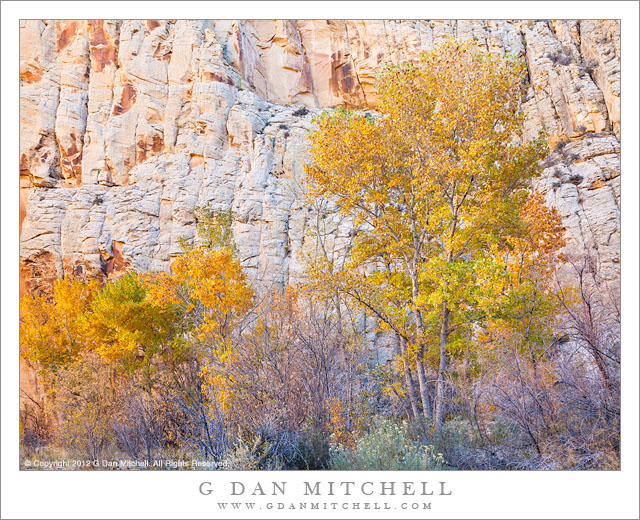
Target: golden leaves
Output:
{"points": [[437, 187], [51, 331], [208, 286]]}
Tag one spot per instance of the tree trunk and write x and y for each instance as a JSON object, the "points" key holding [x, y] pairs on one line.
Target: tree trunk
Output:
{"points": [[411, 389], [444, 335], [422, 383], [422, 378]]}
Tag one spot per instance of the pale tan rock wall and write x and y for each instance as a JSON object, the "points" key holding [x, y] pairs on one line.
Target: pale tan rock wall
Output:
{"points": [[126, 126]]}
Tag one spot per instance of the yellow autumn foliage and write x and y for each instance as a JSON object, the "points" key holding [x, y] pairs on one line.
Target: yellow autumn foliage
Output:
{"points": [[51, 333], [208, 287]]}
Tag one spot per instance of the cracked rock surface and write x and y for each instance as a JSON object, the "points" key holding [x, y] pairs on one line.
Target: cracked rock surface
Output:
{"points": [[127, 126]]}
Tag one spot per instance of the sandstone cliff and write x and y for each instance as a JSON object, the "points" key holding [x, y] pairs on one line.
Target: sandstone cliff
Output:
{"points": [[126, 126]]}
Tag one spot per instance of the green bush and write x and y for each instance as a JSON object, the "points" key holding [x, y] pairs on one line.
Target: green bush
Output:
{"points": [[387, 446]]}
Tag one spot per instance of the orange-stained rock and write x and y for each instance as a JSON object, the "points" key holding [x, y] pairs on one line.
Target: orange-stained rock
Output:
{"points": [[127, 125]]}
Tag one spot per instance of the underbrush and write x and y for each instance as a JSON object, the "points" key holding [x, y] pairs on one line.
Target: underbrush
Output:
{"points": [[389, 446]]}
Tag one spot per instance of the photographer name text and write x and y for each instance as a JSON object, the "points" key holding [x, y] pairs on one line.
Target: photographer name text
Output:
{"points": [[329, 488]]}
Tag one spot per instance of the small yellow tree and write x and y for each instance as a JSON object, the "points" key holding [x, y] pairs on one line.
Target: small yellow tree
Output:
{"points": [[126, 329], [207, 290], [210, 290], [51, 334]]}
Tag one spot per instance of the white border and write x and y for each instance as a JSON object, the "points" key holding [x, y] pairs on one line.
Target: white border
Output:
{"points": [[174, 495]]}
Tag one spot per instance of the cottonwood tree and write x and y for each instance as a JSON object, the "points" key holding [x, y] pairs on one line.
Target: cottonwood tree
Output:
{"points": [[433, 184], [51, 332], [518, 340], [126, 328], [208, 292]]}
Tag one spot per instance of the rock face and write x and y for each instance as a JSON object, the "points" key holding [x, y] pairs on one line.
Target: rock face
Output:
{"points": [[127, 126]]}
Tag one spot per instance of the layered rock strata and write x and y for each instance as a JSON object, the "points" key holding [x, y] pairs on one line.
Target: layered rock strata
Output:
{"points": [[127, 126]]}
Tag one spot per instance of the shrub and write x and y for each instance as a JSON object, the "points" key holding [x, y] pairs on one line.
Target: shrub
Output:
{"points": [[559, 147], [252, 455], [285, 377], [312, 452], [576, 179], [387, 446], [37, 423], [86, 403], [214, 227], [561, 57], [302, 111], [588, 67]]}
